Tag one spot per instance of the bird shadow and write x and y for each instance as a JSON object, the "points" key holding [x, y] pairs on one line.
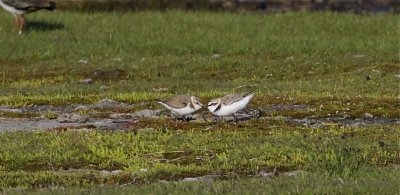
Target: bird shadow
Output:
{"points": [[43, 26]]}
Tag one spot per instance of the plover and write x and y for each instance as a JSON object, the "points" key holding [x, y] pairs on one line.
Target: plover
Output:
{"points": [[229, 104], [21, 7], [182, 105]]}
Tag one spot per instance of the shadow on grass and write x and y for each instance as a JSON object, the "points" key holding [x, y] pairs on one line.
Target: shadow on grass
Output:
{"points": [[43, 26]]}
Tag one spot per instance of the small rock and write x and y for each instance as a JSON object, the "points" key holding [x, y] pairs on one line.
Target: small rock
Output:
{"points": [[368, 115], [14, 110], [375, 71], [205, 178], [265, 174], [279, 118], [359, 56], [86, 81], [105, 173], [82, 107], [145, 130], [108, 173], [140, 171], [294, 173], [121, 115], [190, 179], [83, 61], [368, 77], [103, 87], [109, 104], [78, 170], [162, 89], [116, 172], [72, 118], [215, 56], [147, 113]]}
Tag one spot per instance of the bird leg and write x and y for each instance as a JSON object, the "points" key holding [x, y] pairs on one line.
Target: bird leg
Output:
{"points": [[16, 22], [22, 22], [182, 118], [235, 117]]}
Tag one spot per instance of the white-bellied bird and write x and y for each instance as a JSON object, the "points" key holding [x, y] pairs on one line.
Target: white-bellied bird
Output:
{"points": [[20, 7]]}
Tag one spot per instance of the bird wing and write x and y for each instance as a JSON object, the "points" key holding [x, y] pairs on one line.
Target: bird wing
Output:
{"points": [[232, 98], [21, 5], [180, 101], [29, 4]]}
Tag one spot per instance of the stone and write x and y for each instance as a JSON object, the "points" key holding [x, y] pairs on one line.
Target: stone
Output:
{"points": [[103, 87], [110, 104], [368, 115], [109, 173], [146, 113], [145, 130], [359, 56], [205, 178], [216, 56], [293, 173], [86, 81], [190, 179], [72, 118], [265, 174], [121, 115]]}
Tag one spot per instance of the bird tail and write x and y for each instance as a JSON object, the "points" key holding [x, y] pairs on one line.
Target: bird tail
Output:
{"points": [[161, 102], [52, 6]]}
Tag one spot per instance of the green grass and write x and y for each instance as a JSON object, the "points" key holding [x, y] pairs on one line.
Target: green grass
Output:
{"points": [[292, 54], [33, 160], [317, 59], [367, 181]]}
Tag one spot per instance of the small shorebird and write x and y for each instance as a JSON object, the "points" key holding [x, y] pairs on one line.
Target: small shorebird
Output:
{"points": [[21, 7], [229, 104], [182, 104]]}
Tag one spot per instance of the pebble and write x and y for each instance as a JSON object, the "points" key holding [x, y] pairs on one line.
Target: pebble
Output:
{"points": [[215, 56], [110, 104], [294, 173], [86, 81], [146, 113], [368, 115], [145, 130], [205, 178], [121, 115], [72, 118]]}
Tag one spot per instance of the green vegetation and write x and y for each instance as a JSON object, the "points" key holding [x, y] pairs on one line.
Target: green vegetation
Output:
{"points": [[335, 64], [294, 54], [40, 159]]}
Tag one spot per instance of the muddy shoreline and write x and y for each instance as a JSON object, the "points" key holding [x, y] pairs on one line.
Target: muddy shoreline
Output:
{"points": [[118, 116]]}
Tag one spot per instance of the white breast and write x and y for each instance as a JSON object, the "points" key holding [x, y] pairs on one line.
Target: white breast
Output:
{"points": [[183, 111], [233, 108], [11, 9]]}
